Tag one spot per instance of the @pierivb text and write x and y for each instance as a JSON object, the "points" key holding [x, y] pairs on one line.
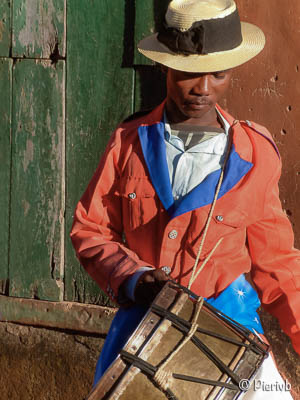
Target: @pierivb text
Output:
{"points": [[258, 384]]}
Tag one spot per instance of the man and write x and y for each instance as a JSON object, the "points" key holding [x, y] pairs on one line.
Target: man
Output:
{"points": [[190, 193]]}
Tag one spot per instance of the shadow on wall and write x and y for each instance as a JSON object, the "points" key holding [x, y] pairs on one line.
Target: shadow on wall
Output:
{"points": [[149, 79], [152, 86], [128, 36]]}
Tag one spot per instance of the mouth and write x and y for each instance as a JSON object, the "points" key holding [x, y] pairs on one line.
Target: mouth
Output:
{"points": [[197, 104]]}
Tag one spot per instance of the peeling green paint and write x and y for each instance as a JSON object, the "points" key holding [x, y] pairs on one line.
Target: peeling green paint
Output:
{"points": [[42, 261], [5, 161], [38, 27], [5, 28], [36, 197]]}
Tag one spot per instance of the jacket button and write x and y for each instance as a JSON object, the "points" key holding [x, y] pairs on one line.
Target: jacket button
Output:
{"points": [[166, 270], [220, 218], [173, 234], [132, 196]]}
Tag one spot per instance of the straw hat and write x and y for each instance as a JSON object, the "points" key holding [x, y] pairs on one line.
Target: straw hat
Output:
{"points": [[203, 36]]}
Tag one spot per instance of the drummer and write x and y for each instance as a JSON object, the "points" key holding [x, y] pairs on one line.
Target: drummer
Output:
{"points": [[188, 192]]}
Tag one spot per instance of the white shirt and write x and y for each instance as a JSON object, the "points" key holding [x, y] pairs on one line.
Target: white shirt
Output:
{"points": [[188, 168]]}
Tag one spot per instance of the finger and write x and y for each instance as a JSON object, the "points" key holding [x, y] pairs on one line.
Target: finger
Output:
{"points": [[160, 275], [149, 285], [147, 277]]}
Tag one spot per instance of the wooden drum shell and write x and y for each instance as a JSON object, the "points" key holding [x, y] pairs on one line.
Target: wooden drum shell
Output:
{"points": [[222, 342]]}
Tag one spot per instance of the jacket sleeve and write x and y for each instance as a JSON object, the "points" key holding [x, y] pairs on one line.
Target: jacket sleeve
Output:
{"points": [[97, 228], [276, 263]]}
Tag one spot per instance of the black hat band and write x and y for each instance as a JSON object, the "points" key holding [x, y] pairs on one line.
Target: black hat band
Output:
{"points": [[204, 37]]}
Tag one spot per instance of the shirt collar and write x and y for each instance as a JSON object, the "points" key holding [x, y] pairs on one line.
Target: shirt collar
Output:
{"points": [[224, 122]]}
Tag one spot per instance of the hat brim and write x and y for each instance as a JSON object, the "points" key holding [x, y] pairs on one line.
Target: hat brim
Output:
{"points": [[252, 44]]}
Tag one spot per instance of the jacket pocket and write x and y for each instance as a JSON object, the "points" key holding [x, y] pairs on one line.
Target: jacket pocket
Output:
{"points": [[139, 204], [228, 224], [234, 218]]}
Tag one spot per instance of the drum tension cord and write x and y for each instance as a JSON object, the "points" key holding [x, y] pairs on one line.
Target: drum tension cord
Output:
{"points": [[184, 327], [161, 375], [254, 345]]}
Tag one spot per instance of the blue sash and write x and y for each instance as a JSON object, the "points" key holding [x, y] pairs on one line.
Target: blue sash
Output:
{"points": [[238, 301]]}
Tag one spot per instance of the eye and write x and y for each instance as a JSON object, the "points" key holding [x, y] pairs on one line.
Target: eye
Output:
{"points": [[219, 74], [189, 75]]}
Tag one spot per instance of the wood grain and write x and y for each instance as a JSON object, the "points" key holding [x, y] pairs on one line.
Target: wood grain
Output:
{"points": [[5, 36], [36, 201], [5, 160], [38, 28], [60, 315]]}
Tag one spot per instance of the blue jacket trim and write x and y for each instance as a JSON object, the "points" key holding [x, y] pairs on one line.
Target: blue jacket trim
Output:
{"points": [[154, 150], [239, 301]]}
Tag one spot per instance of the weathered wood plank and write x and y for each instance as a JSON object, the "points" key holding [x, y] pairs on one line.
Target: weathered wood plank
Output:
{"points": [[60, 315], [149, 16], [38, 28], [5, 37], [5, 159], [37, 164], [99, 96]]}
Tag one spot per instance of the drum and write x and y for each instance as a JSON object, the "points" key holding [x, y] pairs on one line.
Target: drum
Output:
{"points": [[183, 349]]}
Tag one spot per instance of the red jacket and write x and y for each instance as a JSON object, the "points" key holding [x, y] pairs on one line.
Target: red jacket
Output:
{"points": [[127, 219]]}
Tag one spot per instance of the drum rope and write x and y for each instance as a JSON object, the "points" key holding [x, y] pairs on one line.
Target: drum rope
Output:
{"points": [[163, 377], [210, 215]]}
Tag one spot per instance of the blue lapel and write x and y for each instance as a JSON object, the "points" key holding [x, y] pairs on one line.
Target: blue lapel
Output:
{"points": [[154, 150]]}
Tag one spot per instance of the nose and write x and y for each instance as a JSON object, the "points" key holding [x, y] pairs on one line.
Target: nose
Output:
{"points": [[202, 85]]}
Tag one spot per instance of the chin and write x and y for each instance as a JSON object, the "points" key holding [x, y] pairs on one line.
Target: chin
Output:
{"points": [[195, 114]]}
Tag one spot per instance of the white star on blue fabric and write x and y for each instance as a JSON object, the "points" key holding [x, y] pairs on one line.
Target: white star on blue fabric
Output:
{"points": [[240, 293], [239, 301]]}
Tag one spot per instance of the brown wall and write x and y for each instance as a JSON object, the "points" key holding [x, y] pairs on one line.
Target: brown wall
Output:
{"points": [[44, 364], [267, 89]]}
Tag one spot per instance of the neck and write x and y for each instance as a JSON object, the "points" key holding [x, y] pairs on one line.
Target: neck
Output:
{"points": [[210, 118]]}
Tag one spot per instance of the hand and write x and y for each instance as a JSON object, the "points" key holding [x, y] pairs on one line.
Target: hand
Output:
{"points": [[149, 285]]}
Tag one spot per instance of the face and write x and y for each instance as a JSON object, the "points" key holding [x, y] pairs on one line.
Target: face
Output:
{"points": [[191, 97]]}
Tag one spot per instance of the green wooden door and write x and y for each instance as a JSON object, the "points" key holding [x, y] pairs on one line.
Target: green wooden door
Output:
{"points": [[31, 134], [69, 73], [37, 149], [99, 96]]}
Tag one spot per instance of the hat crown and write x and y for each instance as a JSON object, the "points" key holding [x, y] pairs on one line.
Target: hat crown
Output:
{"points": [[181, 14]]}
